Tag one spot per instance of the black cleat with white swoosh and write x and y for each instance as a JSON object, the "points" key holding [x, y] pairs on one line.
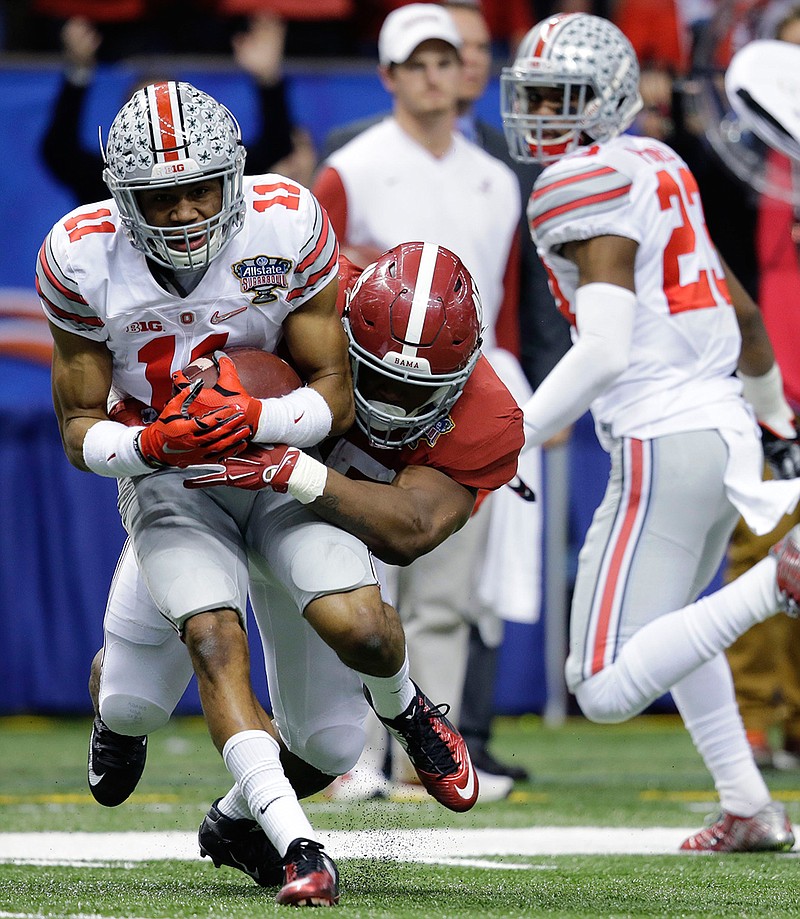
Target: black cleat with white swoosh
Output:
{"points": [[240, 844], [437, 751], [116, 763]]}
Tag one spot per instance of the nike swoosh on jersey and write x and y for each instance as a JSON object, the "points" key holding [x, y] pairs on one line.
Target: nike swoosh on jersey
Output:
{"points": [[216, 317], [469, 789]]}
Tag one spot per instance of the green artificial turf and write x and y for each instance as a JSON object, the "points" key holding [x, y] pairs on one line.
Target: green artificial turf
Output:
{"points": [[641, 774]]}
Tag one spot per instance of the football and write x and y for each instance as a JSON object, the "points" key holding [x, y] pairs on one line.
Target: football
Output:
{"points": [[263, 374]]}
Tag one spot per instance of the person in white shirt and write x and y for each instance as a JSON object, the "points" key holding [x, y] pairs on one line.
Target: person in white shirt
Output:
{"points": [[665, 340]]}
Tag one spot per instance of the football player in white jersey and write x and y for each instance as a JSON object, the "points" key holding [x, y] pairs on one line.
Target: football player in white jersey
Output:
{"points": [[664, 342], [189, 256], [403, 479]]}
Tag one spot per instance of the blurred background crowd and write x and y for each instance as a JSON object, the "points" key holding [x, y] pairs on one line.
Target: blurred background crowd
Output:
{"points": [[316, 28]]}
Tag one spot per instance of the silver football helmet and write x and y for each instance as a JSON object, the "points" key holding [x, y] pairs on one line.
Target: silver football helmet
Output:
{"points": [[171, 134], [595, 67]]}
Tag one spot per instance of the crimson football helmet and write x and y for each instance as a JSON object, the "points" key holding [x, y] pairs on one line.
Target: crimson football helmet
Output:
{"points": [[413, 320], [171, 134], [594, 66]]}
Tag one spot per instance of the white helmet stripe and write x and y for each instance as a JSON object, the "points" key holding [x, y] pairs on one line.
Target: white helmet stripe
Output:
{"points": [[422, 294], [165, 121]]}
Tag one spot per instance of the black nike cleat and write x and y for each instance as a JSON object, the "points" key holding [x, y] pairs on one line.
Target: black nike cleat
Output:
{"points": [[116, 763], [241, 844]]}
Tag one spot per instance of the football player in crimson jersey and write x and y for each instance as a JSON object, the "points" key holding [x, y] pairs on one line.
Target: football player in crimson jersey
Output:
{"points": [[660, 326], [435, 426], [189, 256]]}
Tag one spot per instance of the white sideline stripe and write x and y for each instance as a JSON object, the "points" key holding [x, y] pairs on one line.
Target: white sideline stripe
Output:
{"points": [[430, 845], [4, 915]]}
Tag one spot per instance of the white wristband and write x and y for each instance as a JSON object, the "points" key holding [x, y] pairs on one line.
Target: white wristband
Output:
{"points": [[308, 478], [110, 449], [765, 394], [300, 419]]}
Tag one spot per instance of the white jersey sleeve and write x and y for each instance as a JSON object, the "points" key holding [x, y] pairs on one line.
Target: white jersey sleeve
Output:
{"points": [[318, 257], [58, 280], [580, 200]]}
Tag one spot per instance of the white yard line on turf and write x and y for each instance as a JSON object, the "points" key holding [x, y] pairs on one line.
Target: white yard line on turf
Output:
{"points": [[433, 845], [49, 916]]}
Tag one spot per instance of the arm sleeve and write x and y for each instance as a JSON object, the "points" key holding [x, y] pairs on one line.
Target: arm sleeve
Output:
{"points": [[329, 191], [275, 140], [604, 316], [75, 167]]}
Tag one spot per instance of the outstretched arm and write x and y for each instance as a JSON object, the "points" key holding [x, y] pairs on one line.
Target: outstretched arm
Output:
{"points": [[398, 521], [604, 310]]}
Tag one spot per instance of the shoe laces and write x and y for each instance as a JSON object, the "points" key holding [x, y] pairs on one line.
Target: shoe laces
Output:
{"points": [[114, 749], [425, 745], [306, 857]]}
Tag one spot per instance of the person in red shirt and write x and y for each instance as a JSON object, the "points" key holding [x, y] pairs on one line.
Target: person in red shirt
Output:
{"points": [[765, 661], [434, 427]]}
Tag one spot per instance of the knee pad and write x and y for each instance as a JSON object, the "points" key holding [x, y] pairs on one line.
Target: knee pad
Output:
{"points": [[601, 700], [132, 715], [333, 750]]}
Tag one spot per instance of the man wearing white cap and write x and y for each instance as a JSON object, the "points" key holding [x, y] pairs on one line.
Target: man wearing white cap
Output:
{"points": [[413, 175]]}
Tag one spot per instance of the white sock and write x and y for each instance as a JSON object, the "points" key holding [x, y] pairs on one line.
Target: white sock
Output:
{"points": [[391, 695], [234, 805], [707, 704], [252, 757]]}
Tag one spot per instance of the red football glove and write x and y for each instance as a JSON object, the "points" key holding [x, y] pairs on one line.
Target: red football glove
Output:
{"points": [[178, 438], [256, 468], [228, 390]]}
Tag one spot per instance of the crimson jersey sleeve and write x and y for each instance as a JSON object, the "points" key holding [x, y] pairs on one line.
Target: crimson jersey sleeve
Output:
{"points": [[478, 444], [329, 191], [349, 273]]}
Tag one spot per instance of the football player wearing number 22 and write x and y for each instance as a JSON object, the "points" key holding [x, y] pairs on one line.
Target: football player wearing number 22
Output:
{"points": [[665, 343], [187, 257]]}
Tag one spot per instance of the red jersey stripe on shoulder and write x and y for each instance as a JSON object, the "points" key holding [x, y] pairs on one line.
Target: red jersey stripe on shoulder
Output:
{"points": [[582, 176], [93, 321], [50, 275], [312, 279], [321, 242], [579, 203]]}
